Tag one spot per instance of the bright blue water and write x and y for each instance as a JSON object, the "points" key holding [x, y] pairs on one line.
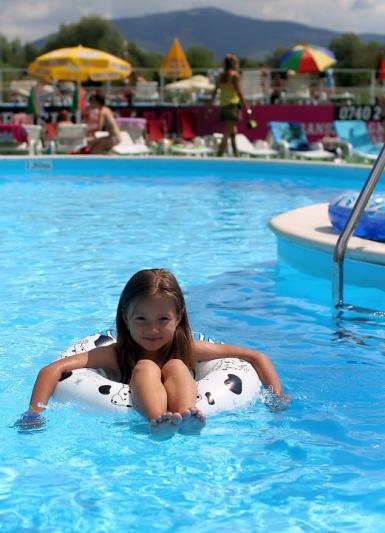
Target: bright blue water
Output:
{"points": [[69, 244]]}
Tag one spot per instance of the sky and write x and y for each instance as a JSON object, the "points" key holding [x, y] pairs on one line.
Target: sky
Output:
{"points": [[31, 19]]}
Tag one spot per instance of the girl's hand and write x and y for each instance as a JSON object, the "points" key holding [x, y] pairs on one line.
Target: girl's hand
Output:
{"points": [[274, 401], [30, 420]]}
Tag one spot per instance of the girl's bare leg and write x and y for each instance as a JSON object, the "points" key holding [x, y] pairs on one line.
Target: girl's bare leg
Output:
{"points": [[223, 145], [103, 145], [233, 141], [150, 399], [182, 396]]}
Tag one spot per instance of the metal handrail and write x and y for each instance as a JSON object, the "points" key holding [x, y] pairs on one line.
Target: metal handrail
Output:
{"points": [[343, 239]]}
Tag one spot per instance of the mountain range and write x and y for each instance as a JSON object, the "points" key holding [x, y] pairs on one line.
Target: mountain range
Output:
{"points": [[223, 32]]}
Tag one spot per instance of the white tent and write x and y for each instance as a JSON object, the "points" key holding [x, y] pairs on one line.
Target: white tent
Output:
{"points": [[195, 83]]}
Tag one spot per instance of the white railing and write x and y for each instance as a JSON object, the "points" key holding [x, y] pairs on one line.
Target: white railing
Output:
{"points": [[366, 90]]}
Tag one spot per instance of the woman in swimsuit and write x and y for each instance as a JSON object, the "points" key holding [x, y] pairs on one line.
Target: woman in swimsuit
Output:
{"points": [[107, 123]]}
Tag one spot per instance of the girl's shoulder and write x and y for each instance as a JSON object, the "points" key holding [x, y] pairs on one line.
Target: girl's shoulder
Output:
{"points": [[234, 75], [103, 356]]}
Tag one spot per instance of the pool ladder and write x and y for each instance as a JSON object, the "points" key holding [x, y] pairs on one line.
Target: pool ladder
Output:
{"points": [[343, 239]]}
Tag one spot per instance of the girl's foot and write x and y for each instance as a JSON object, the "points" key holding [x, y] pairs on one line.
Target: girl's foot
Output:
{"points": [[193, 421], [165, 426]]}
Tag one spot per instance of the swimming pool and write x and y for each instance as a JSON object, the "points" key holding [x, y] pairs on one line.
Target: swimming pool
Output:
{"points": [[73, 231]]}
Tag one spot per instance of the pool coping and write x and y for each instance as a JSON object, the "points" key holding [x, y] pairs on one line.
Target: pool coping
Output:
{"points": [[240, 160], [310, 227]]}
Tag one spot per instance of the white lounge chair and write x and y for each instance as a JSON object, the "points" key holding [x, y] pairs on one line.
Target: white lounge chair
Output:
{"points": [[245, 147], [195, 147], [146, 92], [297, 89], [259, 149], [35, 145], [128, 147], [70, 137]]}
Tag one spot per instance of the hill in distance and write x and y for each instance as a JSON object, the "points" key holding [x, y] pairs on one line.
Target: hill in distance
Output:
{"points": [[222, 32]]}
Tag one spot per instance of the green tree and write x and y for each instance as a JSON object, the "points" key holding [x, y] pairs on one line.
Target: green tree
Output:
{"points": [[353, 53], [92, 31], [246, 62], [200, 57], [272, 59], [141, 58]]}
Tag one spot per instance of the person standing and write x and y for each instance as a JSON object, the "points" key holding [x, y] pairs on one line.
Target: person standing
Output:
{"points": [[231, 100]]}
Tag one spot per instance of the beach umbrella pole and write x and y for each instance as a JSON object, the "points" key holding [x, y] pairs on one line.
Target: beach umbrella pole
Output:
{"points": [[78, 104]]}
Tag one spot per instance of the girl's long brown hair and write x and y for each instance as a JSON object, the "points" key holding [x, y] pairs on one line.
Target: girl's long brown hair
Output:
{"points": [[151, 282]]}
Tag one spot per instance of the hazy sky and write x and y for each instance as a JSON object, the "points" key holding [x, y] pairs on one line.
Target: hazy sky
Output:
{"points": [[31, 19]]}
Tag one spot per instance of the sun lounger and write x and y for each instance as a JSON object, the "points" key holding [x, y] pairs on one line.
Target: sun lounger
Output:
{"points": [[195, 148], [70, 137], [259, 149], [290, 140], [128, 147], [356, 134], [34, 132], [146, 92]]}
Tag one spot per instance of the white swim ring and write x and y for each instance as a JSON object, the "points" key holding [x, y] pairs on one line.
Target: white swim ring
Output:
{"points": [[223, 384]]}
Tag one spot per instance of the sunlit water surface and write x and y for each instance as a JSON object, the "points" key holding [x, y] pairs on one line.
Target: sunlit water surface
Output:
{"points": [[68, 246]]}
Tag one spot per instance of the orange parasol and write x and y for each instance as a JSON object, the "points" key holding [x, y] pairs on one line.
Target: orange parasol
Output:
{"points": [[175, 63]]}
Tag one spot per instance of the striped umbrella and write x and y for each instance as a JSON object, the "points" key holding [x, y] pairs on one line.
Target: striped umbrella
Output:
{"points": [[307, 58]]}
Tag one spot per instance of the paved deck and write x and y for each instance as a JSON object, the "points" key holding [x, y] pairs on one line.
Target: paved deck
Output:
{"points": [[310, 227]]}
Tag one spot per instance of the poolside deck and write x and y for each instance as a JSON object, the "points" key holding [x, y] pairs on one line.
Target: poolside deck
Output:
{"points": [[310, 227]]}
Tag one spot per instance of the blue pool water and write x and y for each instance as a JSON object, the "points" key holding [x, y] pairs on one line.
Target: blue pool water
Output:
{"points": [[73, 231]]}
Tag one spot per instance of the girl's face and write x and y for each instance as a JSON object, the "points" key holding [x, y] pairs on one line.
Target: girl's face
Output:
{"points": [[153, 322]]}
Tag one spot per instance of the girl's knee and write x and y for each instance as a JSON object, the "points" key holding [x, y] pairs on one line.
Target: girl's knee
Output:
{"points": [[145, 366], [174, 366]]}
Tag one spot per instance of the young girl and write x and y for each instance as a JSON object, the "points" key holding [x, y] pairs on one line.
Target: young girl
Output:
{"points": [[155, 353]]}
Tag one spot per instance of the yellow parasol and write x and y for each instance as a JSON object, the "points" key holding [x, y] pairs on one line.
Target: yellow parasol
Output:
{"points": [[175, 63], [79, 64]]}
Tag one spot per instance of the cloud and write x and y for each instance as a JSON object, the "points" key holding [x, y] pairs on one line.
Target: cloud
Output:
{"points": [[364, 4]]}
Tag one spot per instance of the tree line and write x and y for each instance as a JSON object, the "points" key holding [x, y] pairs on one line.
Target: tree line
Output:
{"points": [[96, 32]]}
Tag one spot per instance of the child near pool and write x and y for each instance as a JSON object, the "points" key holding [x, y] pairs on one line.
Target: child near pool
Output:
{"points": [[155, 353]]}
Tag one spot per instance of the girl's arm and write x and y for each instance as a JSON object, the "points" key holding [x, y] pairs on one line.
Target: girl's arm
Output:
{"points": [[48, 377], [206, 351]]}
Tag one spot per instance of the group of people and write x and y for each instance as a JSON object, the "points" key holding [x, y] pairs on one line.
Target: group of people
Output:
{"points": [[231, 103]]}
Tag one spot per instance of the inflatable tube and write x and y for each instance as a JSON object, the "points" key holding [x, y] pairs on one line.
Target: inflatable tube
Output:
{"points": [[372, 223], [223, 384]]}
